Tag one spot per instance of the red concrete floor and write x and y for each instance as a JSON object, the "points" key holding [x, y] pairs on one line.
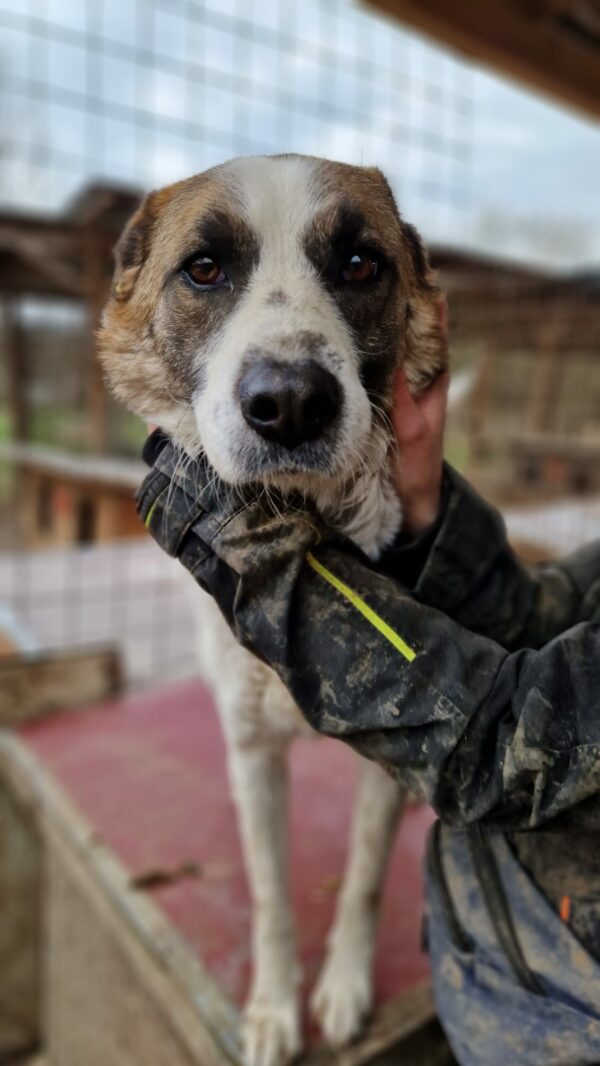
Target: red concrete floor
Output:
{"points": [[148, 771]]}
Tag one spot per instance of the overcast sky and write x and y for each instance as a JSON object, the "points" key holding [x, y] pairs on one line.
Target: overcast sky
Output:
{"points": [[536, 162], [133, 91]]}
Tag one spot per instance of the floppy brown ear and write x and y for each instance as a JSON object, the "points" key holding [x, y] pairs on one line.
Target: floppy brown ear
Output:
{"points": [[132, 247], [427, 333]]}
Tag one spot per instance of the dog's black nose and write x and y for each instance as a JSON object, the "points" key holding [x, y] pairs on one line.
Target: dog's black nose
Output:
{"points": [[289, 403]]}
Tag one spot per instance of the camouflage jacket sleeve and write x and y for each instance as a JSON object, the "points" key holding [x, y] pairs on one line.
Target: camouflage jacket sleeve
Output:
{"points": [[466, 568], [509, 738]]}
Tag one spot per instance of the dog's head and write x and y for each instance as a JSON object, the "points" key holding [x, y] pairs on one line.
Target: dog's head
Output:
{"points": [[260, 310]]}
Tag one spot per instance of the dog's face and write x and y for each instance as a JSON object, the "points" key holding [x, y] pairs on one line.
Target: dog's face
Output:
{"points": [[260, 310]]}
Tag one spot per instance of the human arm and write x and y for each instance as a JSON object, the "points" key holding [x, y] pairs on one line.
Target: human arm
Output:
{"points": [[457, 556], [511, 739]]}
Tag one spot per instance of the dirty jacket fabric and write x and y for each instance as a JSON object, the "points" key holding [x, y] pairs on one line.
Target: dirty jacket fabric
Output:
{"points": [[489, 1016], [470, 571], [508, 736], [493, 715]]}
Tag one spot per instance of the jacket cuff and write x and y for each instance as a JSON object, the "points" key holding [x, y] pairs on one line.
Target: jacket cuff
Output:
{"points": [[468, 543], [406, 558]]}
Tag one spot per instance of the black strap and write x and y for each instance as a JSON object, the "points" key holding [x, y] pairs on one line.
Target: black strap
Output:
{"points": [[498, 908], [459, 936]]}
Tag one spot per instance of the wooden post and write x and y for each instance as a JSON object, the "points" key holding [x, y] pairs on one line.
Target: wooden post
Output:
{"points": [[17, 371], [548, 373], [96, 286], [20, 933], [478, 407], [35, 686]]}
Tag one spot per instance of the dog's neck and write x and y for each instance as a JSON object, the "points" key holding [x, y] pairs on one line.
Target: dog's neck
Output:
{"points": [[369, 513]]}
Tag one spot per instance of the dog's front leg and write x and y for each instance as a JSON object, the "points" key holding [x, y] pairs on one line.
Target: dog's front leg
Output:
{"points": [[272, 1016], [344, 992]]}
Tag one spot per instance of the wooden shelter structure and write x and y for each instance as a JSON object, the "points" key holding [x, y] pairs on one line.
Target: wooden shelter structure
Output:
{"points": [[66, 498], [63, 258], [124, 933], [508, 320], [530, 339], [133, 913], [551, 45]]}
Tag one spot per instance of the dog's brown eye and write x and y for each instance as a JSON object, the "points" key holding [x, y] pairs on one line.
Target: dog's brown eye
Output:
{"points": [[360, 267], [205, 271]]}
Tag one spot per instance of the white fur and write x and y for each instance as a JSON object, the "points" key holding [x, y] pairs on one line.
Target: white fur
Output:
{"points": [[259, 718], [279, 210]]}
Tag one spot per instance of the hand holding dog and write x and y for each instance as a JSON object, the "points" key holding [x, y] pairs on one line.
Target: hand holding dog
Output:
{"points": [[419, 423]]}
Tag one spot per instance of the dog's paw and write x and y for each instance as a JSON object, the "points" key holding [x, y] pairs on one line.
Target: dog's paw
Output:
{"points": [[271, 1031], [342, 999]]}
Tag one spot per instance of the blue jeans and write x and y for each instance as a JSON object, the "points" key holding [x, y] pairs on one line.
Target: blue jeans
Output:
{"points": [[489, 1017]]}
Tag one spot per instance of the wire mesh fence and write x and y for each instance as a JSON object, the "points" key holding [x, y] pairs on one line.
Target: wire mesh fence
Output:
{"points": [[529, 341], [134, 95], [124, 594], [102, 99], [153, 90], [523, 425]]}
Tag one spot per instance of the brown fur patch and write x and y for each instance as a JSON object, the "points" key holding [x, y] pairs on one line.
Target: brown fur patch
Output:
{"points": [[397, 320], [154, 323]]}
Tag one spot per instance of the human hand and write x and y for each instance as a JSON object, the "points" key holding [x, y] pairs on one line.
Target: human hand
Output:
{"points": [[418, 422]]}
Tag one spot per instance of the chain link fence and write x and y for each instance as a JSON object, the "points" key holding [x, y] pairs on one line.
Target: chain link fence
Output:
{"points": [[103, 99]]}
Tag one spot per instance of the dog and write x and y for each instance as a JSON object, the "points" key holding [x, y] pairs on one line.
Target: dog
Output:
{"points": [[259, 313]]}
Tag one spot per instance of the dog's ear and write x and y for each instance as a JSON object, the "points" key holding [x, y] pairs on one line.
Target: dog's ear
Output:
{"points": [[427, 333], [132, 248]]}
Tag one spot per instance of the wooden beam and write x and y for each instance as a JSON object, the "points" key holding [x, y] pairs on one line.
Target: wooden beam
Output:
{"points": [[16, 371], [404, 1029], [516, 38], [96, 253], [33, 686], [20, 934], [113, 964]]}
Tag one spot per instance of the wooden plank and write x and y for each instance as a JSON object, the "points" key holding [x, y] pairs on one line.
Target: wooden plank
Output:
{"points": [[20, 931], [396, 1025], [16, 371], [170, 737], [479, 404], [28, 488], [38, 255], [127, 938], [35, 685], [112, 472], [7, 645], [180, 999], [516, 39], [96, 253], [44, 255]]}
